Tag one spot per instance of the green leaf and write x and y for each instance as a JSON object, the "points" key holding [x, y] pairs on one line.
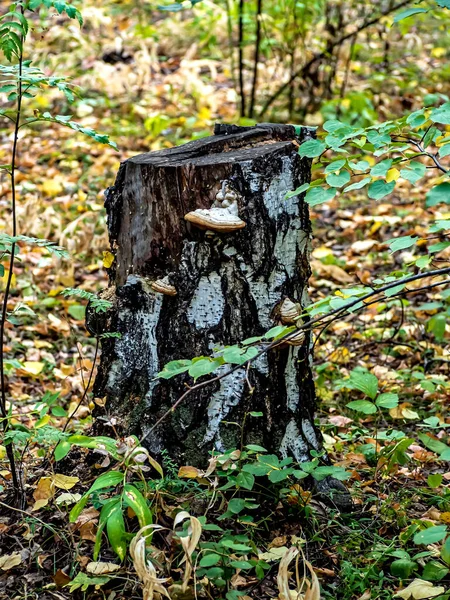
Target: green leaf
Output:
{"points": [[204, 366], [429, 136], [436, 325], [441, 114], [401, 243], [297, 191], [174, 367], [415, 171], [236, 505], [445, 551], [110, 479], [358, 184], [379, 189], [435, 480], [77, 311], [431, 535], [409, 12], [115, 527], [318, 195], [403, 568], [434, 571], [276, 476], [363, 406], [245, 480], [444, 150], [209, 560], [255, 447], [320, 473], [432, 444], [363, 381], [338, 180], [335, 166], [59, 411], [133, 498], [62, 450], [241, 564], [440, 193], [275, 332], [311, 148], [387, 400], [381, 168]]}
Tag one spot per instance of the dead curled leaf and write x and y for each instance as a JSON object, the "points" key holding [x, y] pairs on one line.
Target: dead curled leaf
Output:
{"points": [[9, 561], [101, 568], [420, 590]]}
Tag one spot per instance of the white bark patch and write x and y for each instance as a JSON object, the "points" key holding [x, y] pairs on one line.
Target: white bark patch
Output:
{"points": [[227, 396], [207, 304], [267, 295], [310, 434], [290, 378], [274, 197], [292, 444]]}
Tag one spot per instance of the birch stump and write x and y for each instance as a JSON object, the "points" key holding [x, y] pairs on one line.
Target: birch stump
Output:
{"points": [[213, 287]]}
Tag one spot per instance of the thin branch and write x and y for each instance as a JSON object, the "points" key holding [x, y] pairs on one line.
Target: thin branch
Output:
{"points": [[334, 314], [321, 55]]}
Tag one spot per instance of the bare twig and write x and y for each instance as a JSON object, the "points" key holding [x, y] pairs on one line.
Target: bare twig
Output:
{"points": [[307, 326], [321, 55]]}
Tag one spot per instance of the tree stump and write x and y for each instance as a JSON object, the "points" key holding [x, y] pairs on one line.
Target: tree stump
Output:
{"points": [[229, 286]]}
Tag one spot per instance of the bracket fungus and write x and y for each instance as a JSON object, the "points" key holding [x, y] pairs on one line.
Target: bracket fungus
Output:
{"points": [[163, 286], [289, 311], [216, 219]]}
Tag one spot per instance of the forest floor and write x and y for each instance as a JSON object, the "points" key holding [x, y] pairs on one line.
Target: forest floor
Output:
{"points": [[398, 482]]}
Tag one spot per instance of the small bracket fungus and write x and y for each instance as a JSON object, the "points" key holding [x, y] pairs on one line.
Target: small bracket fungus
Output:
{"points": [[289, 311], [163, 286], [216, 219], [296, 339]]}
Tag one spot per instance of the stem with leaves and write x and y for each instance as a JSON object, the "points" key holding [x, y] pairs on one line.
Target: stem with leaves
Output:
{"points": [[4, 312]]}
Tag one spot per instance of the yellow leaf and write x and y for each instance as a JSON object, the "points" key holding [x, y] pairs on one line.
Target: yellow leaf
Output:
{"points": [[9, 561], [51, 187], [438, 52], [322, 252], [33, 367], [189, 472], [392, 175], [445, 517], [64, 482], [42, 421], [108, 259], [2, 452]]}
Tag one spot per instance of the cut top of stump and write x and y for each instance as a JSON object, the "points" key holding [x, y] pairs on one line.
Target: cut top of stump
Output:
{"points": [[154, 191]]}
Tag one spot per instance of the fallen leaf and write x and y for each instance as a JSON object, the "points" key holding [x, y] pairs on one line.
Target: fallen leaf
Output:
{"points": [[60, 578], [67, 498], [64, 482], [9, 561], [101, 568], [340, 421], [419, 590], [43, 492], [189, 472], [108, 259], [33, 367]]}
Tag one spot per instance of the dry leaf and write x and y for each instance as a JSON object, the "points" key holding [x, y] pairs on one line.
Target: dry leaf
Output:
{"points": [[64, 482], [43, 492], [101, 568], [189, 472], [419, 590], [61, 578], [9, 561]]}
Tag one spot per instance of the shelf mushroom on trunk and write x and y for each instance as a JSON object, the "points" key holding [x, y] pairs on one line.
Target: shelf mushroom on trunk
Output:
{"points": [[210, 251]]}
